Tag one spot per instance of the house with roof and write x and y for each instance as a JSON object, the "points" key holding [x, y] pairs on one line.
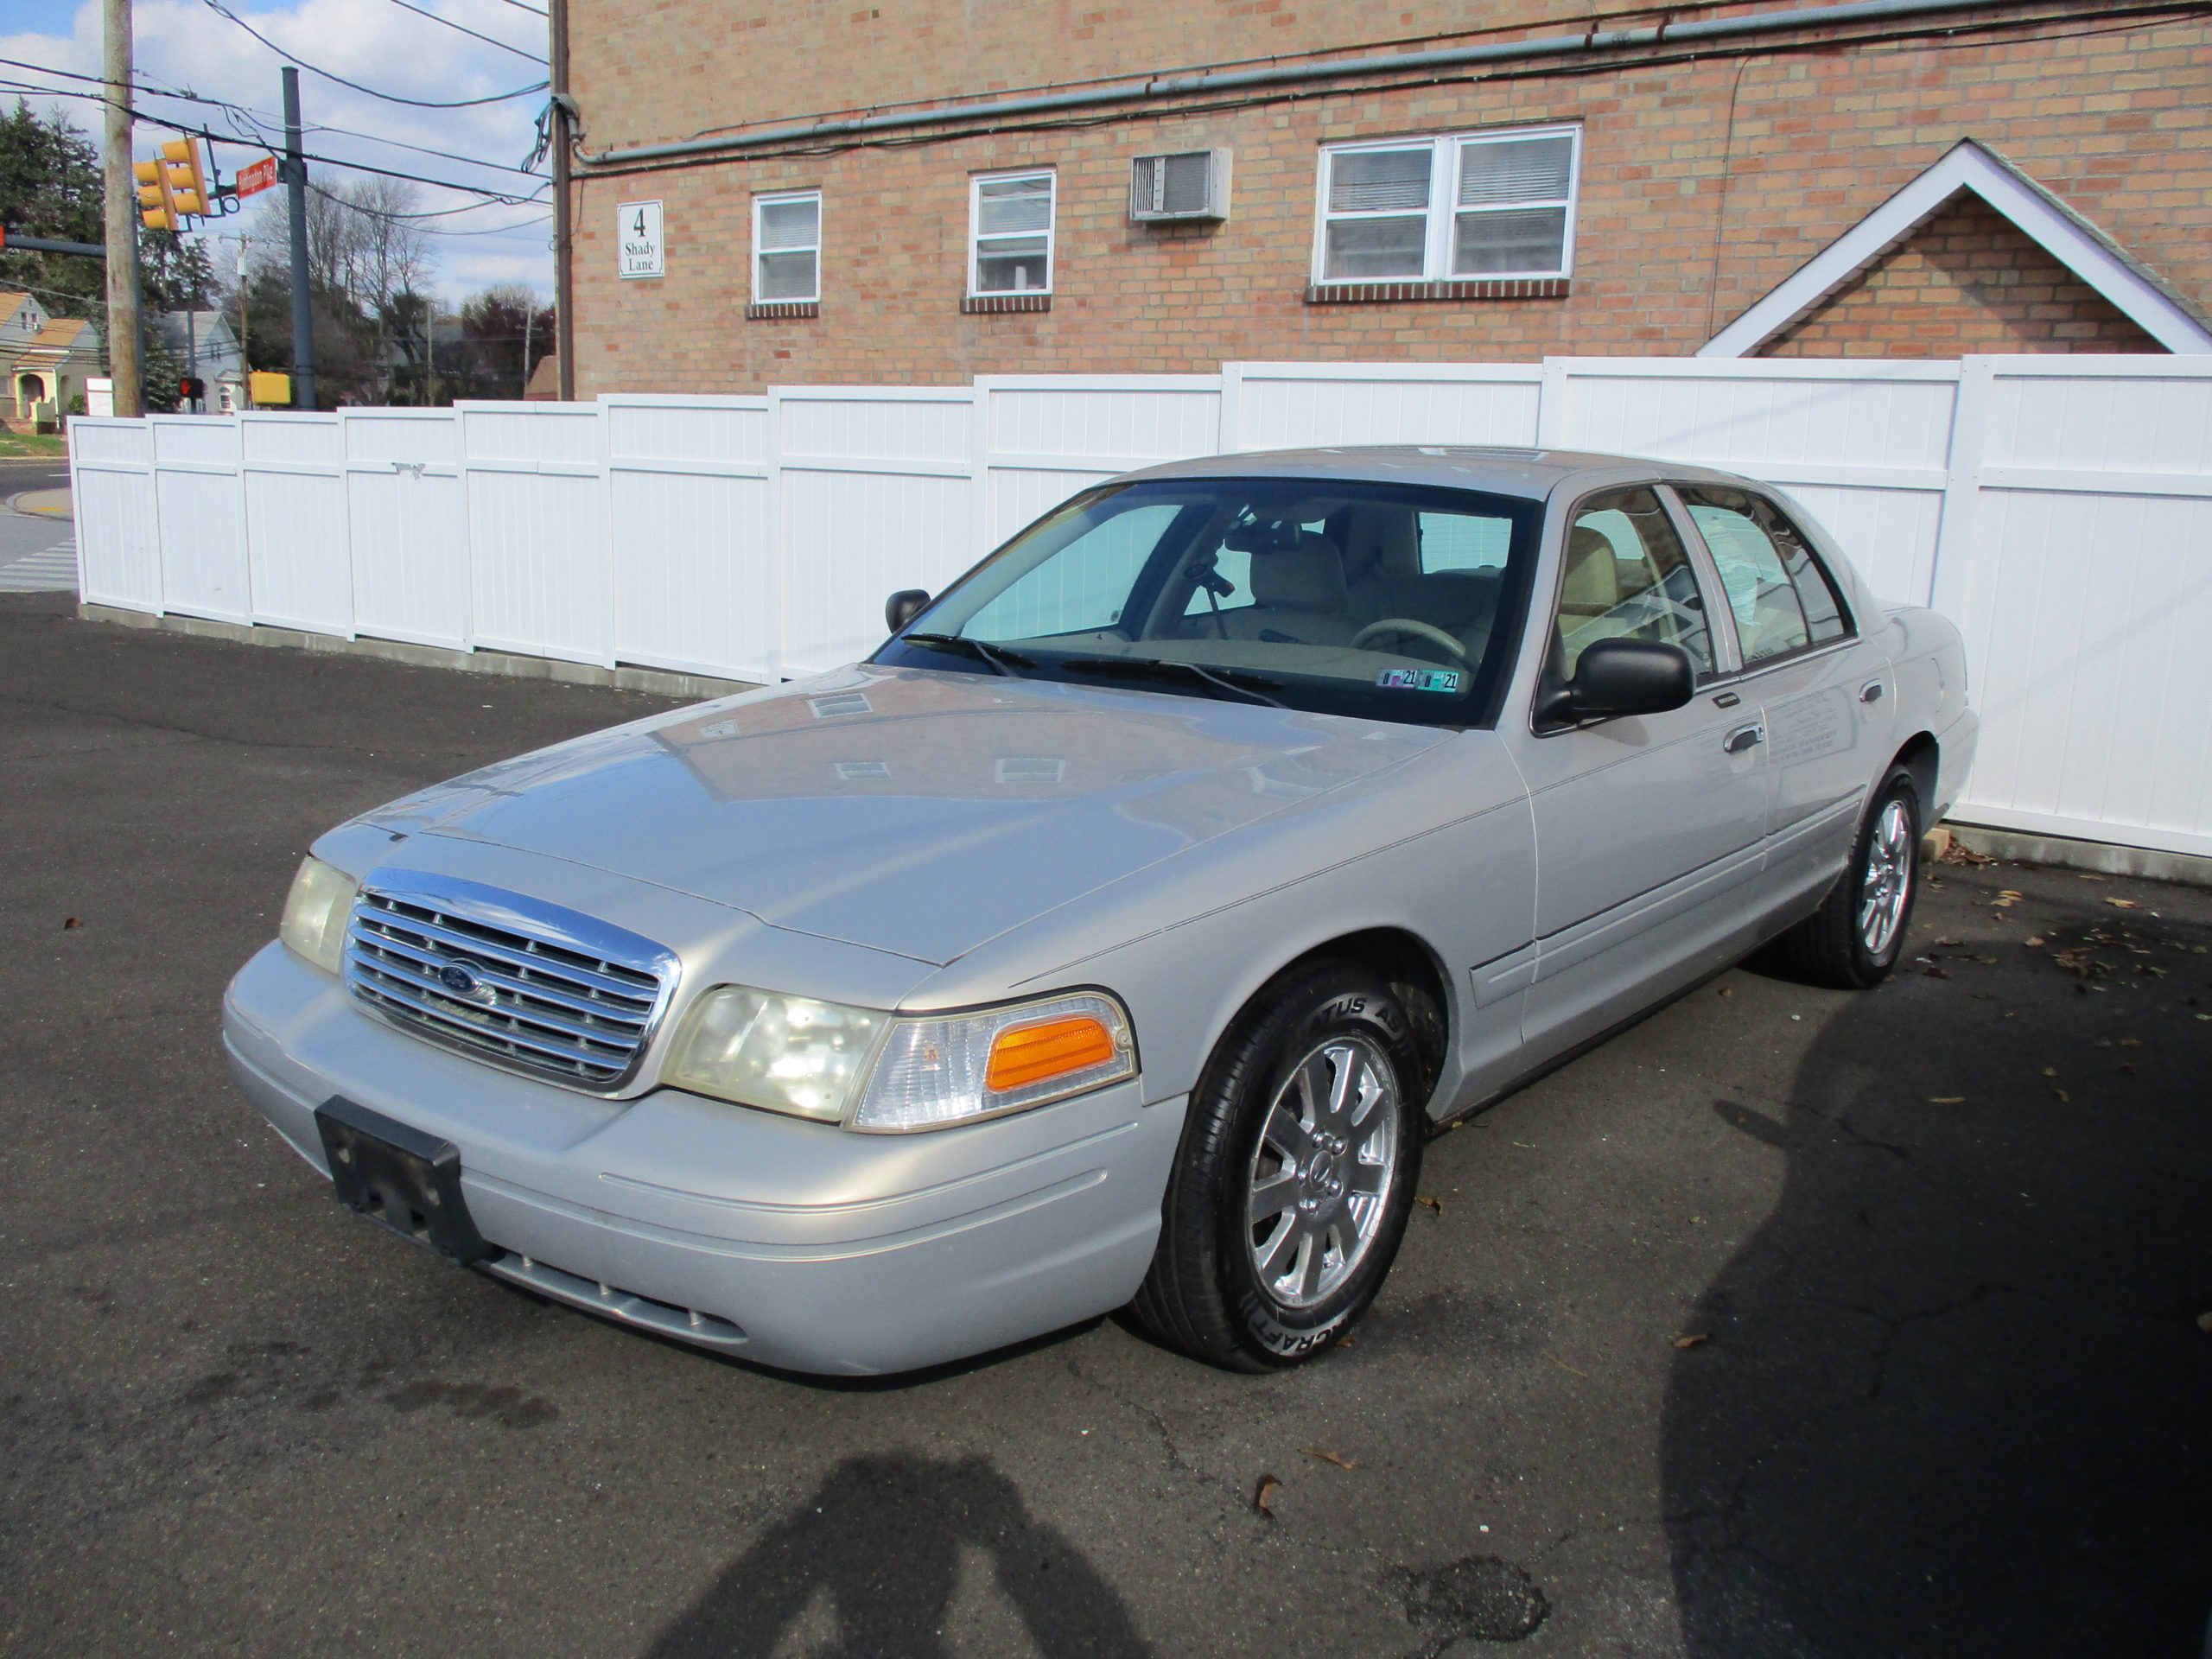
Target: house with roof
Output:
{"points": [[46, 360], [206, 345], [927, 190]]}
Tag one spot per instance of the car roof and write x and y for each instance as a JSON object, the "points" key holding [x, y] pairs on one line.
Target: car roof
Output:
{"points": [[1499, 468]]}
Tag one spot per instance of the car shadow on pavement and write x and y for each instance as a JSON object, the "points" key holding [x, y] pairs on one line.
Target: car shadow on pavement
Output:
{"points": [[1953, 1397], [880, 1543]]}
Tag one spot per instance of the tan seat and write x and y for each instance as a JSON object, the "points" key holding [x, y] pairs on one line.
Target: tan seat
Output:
{"points": [[1382, 561], [1592, 583], [1300, 597]]}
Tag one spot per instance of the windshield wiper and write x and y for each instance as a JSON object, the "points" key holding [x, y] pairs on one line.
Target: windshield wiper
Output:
{"points": [[1001, 660], [1254, 686]]}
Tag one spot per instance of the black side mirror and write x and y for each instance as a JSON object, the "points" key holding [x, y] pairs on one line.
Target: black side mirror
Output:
{"points": [[1614, 677], [904, 606]]}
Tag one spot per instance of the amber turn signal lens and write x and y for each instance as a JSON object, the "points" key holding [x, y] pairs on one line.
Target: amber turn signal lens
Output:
{"points": [[1029, 1054]]}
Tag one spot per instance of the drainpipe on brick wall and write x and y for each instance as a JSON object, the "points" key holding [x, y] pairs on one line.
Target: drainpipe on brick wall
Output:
{"points": [[564, 285], [1186, 83]]}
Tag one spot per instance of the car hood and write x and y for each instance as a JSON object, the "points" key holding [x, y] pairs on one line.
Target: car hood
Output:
{"points": [[914, 812]]}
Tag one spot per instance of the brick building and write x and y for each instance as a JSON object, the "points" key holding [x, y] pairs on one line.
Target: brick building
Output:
{"points": [[922, 190]]}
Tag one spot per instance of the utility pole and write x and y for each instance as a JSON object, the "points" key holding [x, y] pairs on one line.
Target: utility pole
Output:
{"points": [[564, 286], [125, 361], [295, 199]]}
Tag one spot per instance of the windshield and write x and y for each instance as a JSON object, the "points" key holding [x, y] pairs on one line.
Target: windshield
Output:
{"points": [[1383, 600]]}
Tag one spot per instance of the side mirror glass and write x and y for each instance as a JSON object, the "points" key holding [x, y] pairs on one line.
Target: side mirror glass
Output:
{"points": [[1617, 678], [904, 606]]}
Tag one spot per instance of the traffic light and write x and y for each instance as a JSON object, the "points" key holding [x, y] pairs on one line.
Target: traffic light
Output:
{"points": [[191, 388], [187, 184], [156, 208]]}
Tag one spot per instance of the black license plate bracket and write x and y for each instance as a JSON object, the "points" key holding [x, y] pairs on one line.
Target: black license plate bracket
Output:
{"points": [[401, 1177]]}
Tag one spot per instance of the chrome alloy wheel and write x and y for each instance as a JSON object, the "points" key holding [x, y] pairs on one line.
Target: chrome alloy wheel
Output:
{"points": [[1321, 1173], [1886, 883]]}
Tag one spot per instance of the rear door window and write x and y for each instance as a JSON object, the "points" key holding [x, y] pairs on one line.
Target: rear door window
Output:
{"points": [[1783, 600]]}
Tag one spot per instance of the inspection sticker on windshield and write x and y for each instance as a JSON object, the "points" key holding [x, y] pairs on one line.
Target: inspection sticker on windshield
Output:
{"points": [[1420, 679]]}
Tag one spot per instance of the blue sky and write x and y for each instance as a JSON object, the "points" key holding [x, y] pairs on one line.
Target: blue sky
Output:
{"points": [[185, 46]]}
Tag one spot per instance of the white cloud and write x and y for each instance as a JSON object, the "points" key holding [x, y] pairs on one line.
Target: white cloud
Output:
{"points": [[186, 45]]}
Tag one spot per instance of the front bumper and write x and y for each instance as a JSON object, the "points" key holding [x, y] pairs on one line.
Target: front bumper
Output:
{"points": [[793, 1243]]}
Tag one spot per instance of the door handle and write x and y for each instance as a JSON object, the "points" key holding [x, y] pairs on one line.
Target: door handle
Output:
{"points": [[1742, 738], [1870, 692]]}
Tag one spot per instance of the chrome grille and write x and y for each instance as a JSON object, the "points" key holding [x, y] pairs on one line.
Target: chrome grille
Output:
{"points": [[523, 984]]}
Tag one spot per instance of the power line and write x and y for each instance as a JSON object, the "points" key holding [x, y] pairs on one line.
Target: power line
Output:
{"points": [[221, 10], [533, 11], [428, 229], [326, 160], [443, 155], [262, 122], [529, 56]]}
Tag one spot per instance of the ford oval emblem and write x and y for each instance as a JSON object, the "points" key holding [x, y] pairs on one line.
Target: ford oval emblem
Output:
{"points": [[460, 978]]}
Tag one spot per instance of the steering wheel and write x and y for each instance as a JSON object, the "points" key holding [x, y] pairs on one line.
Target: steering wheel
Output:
{"points": [[1407, 628]]}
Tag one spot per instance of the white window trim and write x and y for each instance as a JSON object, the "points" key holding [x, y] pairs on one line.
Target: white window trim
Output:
{"points": [[770, 200], [1444, 205], [976, 184]]}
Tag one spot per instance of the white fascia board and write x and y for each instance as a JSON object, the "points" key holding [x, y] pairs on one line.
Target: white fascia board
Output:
{"points": [[2067, 237]]}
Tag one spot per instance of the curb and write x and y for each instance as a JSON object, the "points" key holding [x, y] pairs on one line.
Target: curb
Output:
{"points": [[2185, 869], [698, 688]]}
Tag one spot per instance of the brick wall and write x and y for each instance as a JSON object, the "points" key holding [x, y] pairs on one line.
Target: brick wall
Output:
{"points": [[1704, 184], [1967, 281]]}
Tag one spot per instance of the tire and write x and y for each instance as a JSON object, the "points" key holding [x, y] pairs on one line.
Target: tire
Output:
{"points": [[1327, 1225], [1855, 937]]}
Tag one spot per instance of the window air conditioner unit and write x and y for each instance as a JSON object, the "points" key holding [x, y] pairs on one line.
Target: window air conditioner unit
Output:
{"points": [[1192, 185]]}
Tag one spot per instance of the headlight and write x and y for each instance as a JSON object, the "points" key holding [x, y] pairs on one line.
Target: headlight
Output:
{"points": [[316, 912], [784, 1052], [890, 1073]]}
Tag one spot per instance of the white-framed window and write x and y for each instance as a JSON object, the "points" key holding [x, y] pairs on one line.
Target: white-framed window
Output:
{"points": [[1458, 207], [1010, 233], [787, 247]]}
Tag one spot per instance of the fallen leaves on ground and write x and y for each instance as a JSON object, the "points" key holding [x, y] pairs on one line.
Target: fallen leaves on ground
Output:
{"points": [[1958, 854], [1268, 1487], [1561, 1363], [1946, 1100], [1436, 1204], [1322, 1454], [2123, 904], [1692, 1338], [72, 922], [2032, 940], [2204, 1323]]}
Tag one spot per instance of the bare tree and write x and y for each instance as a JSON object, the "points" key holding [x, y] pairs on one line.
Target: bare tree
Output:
{"points": [[366, 251]]}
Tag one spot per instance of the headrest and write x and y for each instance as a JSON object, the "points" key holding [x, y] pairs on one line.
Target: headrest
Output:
{"points": [[1381, 538], [1591, 581], [1308, 577]]}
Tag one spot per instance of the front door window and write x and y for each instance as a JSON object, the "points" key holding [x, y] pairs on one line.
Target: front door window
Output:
{"points": [[1626, 576]]}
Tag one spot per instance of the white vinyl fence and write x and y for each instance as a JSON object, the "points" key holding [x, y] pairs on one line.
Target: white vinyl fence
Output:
{"points": [[2059, 508]]}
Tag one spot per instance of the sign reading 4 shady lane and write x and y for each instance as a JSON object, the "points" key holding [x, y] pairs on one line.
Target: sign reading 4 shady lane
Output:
{"points": [[637, 227]]}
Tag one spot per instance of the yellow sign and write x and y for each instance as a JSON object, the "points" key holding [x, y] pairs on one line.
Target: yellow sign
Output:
{"points": [[268, 389]]}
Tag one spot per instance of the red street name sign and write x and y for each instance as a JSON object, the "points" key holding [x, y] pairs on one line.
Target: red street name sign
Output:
{"points": [[257, 175]]}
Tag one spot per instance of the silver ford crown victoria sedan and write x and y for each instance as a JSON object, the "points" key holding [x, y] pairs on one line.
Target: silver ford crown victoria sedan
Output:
{"points": [[1114, 936]]}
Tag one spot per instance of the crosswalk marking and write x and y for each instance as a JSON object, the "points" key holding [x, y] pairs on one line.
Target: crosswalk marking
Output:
{"points": [[50, 572]]}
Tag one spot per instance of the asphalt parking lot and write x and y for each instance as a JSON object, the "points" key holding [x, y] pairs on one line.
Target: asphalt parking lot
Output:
{"points": [[1790, 1322]]}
